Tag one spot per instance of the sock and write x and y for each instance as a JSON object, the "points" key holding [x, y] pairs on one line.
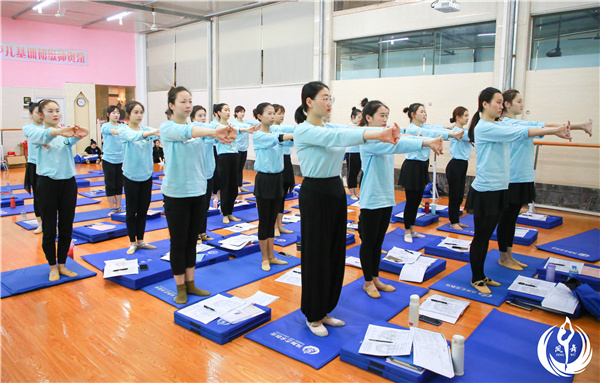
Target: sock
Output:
{"points": [[191, 288], [54, 276], [181, 297]]}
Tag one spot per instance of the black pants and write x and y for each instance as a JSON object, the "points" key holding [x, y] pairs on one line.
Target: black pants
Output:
{"points": [[372, 225], [411, 208], [183, 218], [57, 197], [113, 178], [138, 195], [289, 180], [228, 175], [241, 163], [323, 228], [205, 205], [353, 164], [216, 179], [456, 173], [484, 228], [268, 208], [507, 226], [30, 184]]}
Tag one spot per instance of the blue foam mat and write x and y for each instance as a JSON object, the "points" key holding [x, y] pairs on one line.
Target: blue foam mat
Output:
{"points": [[29, 208], [291, 238], [442, 213], [22, 196], [220, 277], [584, 246], [36, 277], [425, 220], [560, 276], [527, 240], [519, 296], [250, 189], [349, 201], [158, 269], [432, 248], [459, 282], [503, 348], [288, 197], [355, 308], [551, 222], [6, 202], [120, 230], [248, 249]]}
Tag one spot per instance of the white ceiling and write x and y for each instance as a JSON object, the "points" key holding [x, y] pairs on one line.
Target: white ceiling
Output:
{"points": [[93, 14]]}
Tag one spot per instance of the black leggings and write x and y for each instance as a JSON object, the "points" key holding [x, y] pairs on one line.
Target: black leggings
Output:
{"points": [[30, 184], [56, 196], [372, 226], [228, 176], [113, 178], [456, 174], [353, 164], [138, 195], [411, 208], [268, 208], [507, 226], [216, 180], [484, 228], [241, 163], [205, 205], [183, 218]]}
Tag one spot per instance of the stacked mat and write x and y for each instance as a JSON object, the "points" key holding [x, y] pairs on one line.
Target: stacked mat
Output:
{"points": [[425, 220], [29, 208], [527, 240]]}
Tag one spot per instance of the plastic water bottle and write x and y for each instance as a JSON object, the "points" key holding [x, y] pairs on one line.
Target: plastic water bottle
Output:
{"points": [[573, 272], [413, 311], [433, 207], [550, 272], [426, 207], [458, 354], [13, 202], [23, 215]]}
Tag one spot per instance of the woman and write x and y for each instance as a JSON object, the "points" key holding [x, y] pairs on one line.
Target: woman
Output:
{"points": [[198, 118], [353, 163], [242, 142], [289, 180], [521, 188], [137, 174], [31, 170], [414, 174], [323, 203], [184, 186], [488, 196], [456, 170], [377, 191], [93, 149], [112, 162], [268, 184], [158, 154], [56, 187]]}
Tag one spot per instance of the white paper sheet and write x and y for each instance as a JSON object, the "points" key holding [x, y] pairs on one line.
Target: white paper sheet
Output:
{"points": [[431, 352], [353, 261], [561, 298], [118, 267], [261, 298], [292, 277], [443, 308], [352, 226], [401, 215], [356, 204], [243, 226], [521, 232], [30, 222], [385, 341], [238, 242], [534, 216], [290, 219], [202, 247], [240, 202], [532, 286], [101, 226], [563, 265], [242, 313], [200, 250], [210, 309], [415, 272], [405, 256], [440, 207], [459, 245]]}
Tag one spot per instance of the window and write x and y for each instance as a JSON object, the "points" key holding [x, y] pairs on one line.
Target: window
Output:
{"points": [[566, 40], [340, 5], [465, 49]]}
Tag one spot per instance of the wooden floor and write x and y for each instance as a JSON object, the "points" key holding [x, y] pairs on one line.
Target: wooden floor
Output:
{"points": [[95, 330]]}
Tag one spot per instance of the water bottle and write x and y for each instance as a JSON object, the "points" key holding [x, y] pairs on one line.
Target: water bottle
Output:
{"points": [[550, 272], [13, 202], [23, 215], [413, 311], [458, 354], [426, 207], [573, 272], [433, 207]]}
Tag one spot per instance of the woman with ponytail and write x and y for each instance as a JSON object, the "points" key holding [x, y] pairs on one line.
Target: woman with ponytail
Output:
{"points": [[112, 160], [198, 118], [456, 170], [323, 205], [353, 163], [488, 196]]}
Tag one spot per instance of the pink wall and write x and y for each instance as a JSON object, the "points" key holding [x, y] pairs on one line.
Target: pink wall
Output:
{"points": [[111, 55]]}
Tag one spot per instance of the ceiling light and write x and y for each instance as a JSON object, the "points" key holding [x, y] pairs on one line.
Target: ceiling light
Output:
{"points": [[392, 40], [486, 34], [117, 16]]}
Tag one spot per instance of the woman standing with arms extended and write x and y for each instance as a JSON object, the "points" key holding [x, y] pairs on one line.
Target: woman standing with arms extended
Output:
{"points": [[184, 186], [377, 191], [31, 170], [242, 142], [289, 180], [353, 163], [198, 118], [137, 174], [456, 170], [112, 160], [488, 196], [56, 187], [323, 202]]}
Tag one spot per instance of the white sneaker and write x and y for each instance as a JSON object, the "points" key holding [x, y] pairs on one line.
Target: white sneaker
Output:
{"points": [[38, 230], [131, 249], [320, 330], [333, 322], [408, 238]]}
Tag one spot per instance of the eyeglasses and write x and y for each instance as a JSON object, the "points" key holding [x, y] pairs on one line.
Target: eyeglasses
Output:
{"points": [[328, 99]]}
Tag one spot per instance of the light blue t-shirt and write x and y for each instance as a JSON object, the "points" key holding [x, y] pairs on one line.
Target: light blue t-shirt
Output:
{"points": [[522, 152], [355, 148], [461, 150], [185, 174], [209, 157], [492, 148], [242, 141], [432, 131], [321, 148], [268, 151], [287, 150], [138, 162], [377, 185], [54, 154], [225, 148], [112, 146], [32, 149]]}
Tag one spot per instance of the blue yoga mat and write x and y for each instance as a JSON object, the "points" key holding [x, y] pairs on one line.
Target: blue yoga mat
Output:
{"points": [[250, 189], [158, 269], [248, 249], [551, 222], [432, 248], [288, 239], [158, 182], [88, 175], [584, 246], [220, 277], [288, 197], [459, 282], [561, 276], [102, 193], [527, 240], [425, 220], [354, 307], [22, 196], [36, 277], [441, 212], [504, 348], [29, 208], [396, 238], [215, 222], [120, 230], [6, 202], [349, 201]]}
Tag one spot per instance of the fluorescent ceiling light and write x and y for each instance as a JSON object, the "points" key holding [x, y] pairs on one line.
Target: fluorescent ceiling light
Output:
{"points": [[392, 40], [486, 34], [42, 5], [117, 16]]}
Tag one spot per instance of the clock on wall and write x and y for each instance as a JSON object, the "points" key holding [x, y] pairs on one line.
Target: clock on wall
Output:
{"points": [[81, 101]]}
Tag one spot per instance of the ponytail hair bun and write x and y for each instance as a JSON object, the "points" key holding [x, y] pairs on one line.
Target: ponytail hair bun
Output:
{"points": [[364, 102]]}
